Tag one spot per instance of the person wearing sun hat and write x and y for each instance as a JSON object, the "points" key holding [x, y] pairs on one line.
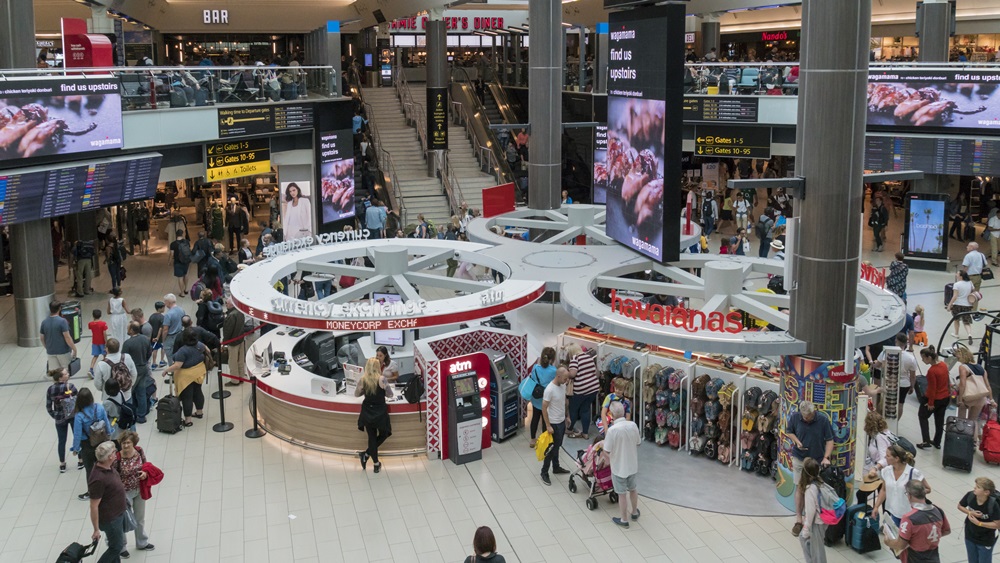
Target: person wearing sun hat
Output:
{"points": [[779, 249]]}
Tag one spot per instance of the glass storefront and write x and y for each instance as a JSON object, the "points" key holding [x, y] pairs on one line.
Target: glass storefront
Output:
{"points": [[225, 49]]}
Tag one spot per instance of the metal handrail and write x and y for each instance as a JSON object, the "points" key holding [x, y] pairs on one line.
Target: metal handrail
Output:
{"points": [[451, 185], [382, 157], [413, 112], [503, 102], [489, 146]]}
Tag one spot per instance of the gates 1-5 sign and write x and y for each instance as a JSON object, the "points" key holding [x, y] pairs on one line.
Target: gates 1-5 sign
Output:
{"points": [[437, 118]]}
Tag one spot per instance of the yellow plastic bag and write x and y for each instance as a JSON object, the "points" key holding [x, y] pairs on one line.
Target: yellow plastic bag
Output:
{"points": [[542, 445]]}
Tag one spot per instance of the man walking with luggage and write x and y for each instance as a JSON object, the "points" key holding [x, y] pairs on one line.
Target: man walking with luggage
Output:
{"points": [[921, 529], [812, 436], [973, 264], [107, 503], [622, 445], [554, 415]]}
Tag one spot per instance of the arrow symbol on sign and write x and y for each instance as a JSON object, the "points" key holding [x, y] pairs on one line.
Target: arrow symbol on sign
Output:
{"points": [[701, 139], [211, 149], [700, 151]]}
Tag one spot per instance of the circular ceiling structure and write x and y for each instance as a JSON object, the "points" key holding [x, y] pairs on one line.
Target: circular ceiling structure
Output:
{"points": [[410, 268]]}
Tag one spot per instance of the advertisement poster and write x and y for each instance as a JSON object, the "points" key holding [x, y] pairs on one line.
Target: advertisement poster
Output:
{"points": [[296, 209], [925, 100], [925, 230], [600, 164], [337, 175], [59, 115], [643, 213]]}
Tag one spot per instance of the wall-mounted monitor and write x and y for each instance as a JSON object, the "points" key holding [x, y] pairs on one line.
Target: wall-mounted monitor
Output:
{"points": [[926, 226], [918, 100], [387, 337]]}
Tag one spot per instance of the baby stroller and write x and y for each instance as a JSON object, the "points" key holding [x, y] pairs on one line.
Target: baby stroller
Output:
{"points": [[593, 468]]}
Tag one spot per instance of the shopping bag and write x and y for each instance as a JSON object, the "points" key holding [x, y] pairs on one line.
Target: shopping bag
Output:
{"points": [[542, 445]]}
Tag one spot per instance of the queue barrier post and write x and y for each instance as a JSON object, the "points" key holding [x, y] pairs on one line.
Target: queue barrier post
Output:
{"points": [[221, 393], [222, 425], [256, 431]]}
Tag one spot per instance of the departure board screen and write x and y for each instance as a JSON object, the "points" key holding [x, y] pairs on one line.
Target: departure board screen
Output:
{"points": [[933, 155], [32, 194]]}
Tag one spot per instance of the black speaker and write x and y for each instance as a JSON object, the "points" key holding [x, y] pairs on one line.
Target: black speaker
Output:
{"points": [[379, 18]]}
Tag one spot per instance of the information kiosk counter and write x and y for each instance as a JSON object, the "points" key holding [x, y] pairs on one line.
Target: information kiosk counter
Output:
{"points": [[320, 412]]}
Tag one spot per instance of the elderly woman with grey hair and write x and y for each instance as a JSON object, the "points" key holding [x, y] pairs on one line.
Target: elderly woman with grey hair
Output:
{"points": [[812, 436]]}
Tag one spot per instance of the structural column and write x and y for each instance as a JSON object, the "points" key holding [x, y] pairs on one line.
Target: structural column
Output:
{"points": [[438, 78], [934, 25], [710, 33], [545, 61], [33, 283], [829, 154]]}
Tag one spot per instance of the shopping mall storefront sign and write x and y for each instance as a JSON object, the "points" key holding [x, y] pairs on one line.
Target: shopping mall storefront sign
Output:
{"points": [[691, 320]]}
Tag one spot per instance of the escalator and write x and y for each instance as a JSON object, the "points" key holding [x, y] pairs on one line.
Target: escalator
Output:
{"points": [[474, 116], [499, 106]]}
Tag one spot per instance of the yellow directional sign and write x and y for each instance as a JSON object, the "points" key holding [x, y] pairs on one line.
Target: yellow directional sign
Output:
{"points": [[733, 142], [234, 159]]}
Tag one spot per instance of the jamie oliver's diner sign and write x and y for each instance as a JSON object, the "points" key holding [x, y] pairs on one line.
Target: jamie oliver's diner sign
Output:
{"points": [[460, 21]]}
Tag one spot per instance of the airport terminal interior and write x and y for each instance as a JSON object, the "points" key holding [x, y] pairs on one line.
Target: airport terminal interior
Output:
{"points": [[458, 196]]}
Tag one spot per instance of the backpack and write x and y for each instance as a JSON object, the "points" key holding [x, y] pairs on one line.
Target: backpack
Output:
{"points": [[126, 414], [903, 443], [763, 226], [196, 288], [706, 209], [86, 250], [121, 374], [216, 316], [184, 251], [67, 404], [414, 390]]}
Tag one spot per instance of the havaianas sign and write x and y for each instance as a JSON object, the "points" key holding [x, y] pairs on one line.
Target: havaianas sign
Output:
{"points": [[691, 320]]}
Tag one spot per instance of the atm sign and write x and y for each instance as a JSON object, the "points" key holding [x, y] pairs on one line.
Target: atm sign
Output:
{"points": [[459, 367]]}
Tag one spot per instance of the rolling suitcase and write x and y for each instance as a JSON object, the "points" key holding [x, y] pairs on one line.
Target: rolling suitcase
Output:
{"points": [[169, 417], [74, 552], [949, 291], [959, 447], [862, 529], [990, 444]]}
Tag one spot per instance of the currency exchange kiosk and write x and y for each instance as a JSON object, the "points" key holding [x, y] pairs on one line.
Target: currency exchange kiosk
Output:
{"points": [[505, 400], [465, 418]]}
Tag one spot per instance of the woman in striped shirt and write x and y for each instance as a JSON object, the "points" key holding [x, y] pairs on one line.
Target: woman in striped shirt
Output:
{"points": [[583, 374]]}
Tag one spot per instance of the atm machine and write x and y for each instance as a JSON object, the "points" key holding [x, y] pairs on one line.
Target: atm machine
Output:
{"points": [[505, 400], [465, 418]]}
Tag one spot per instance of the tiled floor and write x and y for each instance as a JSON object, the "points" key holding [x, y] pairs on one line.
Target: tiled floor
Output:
{"points": [[229, 498]]}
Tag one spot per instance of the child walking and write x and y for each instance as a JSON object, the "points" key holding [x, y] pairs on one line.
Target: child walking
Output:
{"points": [[919, 335], [98, 333]]}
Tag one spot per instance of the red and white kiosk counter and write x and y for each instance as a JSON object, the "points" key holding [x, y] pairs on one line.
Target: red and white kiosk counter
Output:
{"points": [[301, 406]]}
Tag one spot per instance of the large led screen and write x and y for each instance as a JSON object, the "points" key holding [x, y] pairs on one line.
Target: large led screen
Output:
{"points": [[928, 100], [926, 225], [59, 115], [337, 175], [641, 164]]}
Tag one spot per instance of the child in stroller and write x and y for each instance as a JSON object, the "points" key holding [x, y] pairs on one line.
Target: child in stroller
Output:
{"points": [[593, 467]]}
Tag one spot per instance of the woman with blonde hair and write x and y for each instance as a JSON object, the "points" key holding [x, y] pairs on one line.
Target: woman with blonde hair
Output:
{"points": [[968, 370], [374, 417]]}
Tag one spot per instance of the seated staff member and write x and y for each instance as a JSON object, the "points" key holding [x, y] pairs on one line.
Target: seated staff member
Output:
{"points": [[390, 369]]}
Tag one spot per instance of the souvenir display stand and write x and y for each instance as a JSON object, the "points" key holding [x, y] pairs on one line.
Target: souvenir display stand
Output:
{"points": [[888, 403], [665, 414], [433, 359]]}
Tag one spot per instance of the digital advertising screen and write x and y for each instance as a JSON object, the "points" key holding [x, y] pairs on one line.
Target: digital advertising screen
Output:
{"points": [[337, 175], [926, 225], [600, 164], [59, 116], [641, 161], [296, 209], [934, 100], [387, 337]]}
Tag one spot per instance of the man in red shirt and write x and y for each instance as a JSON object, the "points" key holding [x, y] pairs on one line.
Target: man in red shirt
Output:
{"points": [[935, 398], [921, 529]]}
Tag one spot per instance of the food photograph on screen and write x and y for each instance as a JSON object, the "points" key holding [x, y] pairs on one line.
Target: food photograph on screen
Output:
{"points": [[934, 100], [338, 189], [634, 164], [42, 117], [925, 231], [600, 164]]}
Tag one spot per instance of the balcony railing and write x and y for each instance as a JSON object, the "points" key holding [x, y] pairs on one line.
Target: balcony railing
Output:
{"points": [[151, 87]]}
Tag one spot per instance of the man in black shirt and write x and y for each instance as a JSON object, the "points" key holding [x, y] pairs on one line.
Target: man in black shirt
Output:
{"points": [[204, 336], [812, 436], [137, 346], [204, 244]]}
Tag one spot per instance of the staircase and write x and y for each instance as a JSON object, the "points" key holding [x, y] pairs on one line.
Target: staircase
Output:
{"points": [[466, 171], [421, 194]]}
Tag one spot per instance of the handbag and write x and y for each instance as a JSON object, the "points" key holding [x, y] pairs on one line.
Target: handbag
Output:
{"points": [[129, 523], [987, 273], [975, 388], [530, 388], [209, 359], [542, 445]]}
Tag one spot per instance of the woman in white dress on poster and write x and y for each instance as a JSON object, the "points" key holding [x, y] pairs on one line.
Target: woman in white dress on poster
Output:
{"points": [[297, 213]]}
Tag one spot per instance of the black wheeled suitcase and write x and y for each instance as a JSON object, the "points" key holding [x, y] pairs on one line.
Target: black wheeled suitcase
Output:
{"points": [[169, 417], [959, 446], [949, 292], [74, 552]]}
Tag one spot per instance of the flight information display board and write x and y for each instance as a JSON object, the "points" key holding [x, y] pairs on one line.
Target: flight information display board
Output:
{"points": [[933, 155], [32, 194], [727, 109]]}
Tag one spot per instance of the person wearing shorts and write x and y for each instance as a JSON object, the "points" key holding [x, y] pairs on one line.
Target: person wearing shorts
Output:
{"points": [[812, 436], [960, 303], [622, 446]]}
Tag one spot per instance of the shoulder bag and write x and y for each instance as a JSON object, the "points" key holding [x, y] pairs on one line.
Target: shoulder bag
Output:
{"points": [[209, 358], [975, 386], [97, 431], [987, 271], [530, 387]]}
